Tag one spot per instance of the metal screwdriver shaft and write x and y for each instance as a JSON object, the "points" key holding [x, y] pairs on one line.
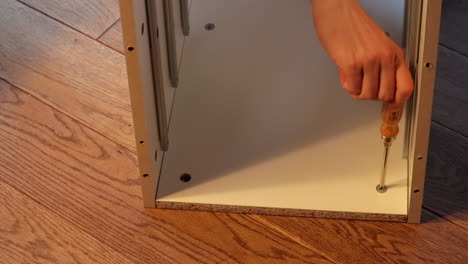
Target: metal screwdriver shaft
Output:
{"points": [[382, 187], [391, 115]]}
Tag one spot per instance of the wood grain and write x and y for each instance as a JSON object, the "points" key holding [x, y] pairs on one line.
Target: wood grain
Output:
{"points": [[113, 37], [80, 199], [451, 95], [93, 183], [29, 233], [69, 71], [378, 242], [91, 17], [447, 171], [454, 23]]}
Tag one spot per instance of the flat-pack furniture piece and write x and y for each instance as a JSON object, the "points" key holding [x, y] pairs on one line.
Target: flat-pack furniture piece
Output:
{"points": [[237, 108]]}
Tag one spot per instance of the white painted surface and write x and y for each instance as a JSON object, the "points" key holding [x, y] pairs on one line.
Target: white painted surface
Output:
{"points": [[260, 119], [169, 91]]}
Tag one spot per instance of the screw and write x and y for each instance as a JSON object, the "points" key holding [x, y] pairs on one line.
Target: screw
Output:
{"points": [[209, 26], [381, 189]]}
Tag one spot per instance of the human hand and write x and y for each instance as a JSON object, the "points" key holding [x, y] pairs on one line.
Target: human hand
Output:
{"points": [[372, 66]]}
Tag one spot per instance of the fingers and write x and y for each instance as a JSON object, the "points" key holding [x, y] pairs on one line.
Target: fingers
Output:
{"points": [[387, 79], [343, 79], [370, 83], [404, 81], [351, 79], [364, 82]]}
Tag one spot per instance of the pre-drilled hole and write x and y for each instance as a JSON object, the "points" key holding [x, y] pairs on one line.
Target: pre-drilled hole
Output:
{"points": [[428, 65], [185, 177], [209, 26], [141, 142], [416, 190], [420, 157], [145, 175], [131, 48]]}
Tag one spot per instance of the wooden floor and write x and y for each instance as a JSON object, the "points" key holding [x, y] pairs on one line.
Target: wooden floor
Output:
{"points": [[68, 171]]}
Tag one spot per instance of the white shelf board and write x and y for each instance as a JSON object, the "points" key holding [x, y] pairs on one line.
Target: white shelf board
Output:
{"points": [[260, 119]]}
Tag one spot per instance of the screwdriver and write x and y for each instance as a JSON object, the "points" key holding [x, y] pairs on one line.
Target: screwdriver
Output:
{"points": [[391, 115]]}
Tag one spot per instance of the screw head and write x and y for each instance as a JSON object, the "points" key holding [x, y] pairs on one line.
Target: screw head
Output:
{"points": [[381, 189], [209, 26]]}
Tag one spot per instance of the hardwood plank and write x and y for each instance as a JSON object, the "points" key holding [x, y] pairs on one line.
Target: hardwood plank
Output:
{"points": [[454, 22], [113, 37], [93, 183], [451, 96], [29, 233], [446, 186], [69, 71], [434, 241], [92, 17]]}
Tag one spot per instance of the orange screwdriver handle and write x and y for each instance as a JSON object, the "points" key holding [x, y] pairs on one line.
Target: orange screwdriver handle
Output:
{"points": [[391, 116]]}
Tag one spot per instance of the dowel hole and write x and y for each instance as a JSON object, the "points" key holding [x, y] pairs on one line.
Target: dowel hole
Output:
{"points": [[130, 48], [141, 142], [145, 175], [185, 177], [209, 26], [416, 190]]}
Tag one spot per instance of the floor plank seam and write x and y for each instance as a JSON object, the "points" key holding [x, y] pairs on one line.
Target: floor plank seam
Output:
{"points": [[448, 128], [87, 209], [68, 115], [454, 50], [425, 207], [296, 239], [107, 29], [45, 207], [56, 20], [112, 48]]}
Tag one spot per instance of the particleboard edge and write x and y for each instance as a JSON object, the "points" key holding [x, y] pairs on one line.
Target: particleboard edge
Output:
{"points": [[280, 211]]}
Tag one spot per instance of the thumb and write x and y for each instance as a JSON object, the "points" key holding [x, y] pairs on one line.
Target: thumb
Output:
{"points": [[404, 82]]}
